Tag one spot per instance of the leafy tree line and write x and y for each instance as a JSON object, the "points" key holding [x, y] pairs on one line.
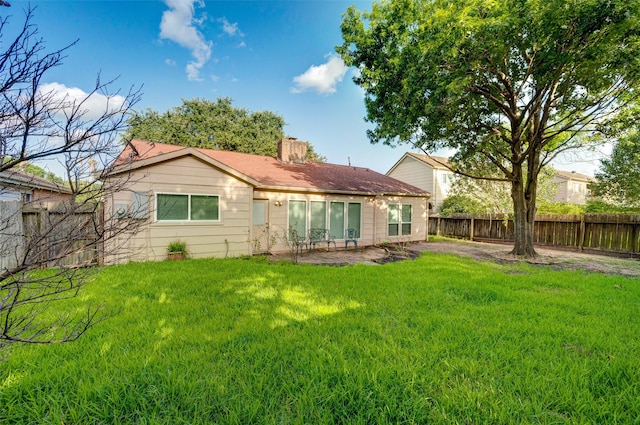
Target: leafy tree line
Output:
{"points": [[214, 125]]}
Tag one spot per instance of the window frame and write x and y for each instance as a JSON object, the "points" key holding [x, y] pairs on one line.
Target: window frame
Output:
{"points": [[306, 216], [400, 224], [327, 218], [189, 218], [348, 224]]}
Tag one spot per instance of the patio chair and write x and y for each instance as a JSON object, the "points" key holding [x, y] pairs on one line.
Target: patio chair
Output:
{"points": [[351, 237]]}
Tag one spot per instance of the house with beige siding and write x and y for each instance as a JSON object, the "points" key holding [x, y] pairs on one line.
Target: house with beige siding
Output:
{"points": [[430, 173], [227, 204], [571, 187]]}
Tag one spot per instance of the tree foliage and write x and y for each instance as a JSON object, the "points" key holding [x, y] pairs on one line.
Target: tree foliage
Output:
{"points": [[214, 125], [39, 122], [462, 204], [601, 207], [618, 179], [482, 196], [514, 83]]}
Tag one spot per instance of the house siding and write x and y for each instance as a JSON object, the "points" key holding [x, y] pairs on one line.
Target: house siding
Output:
{"points": [[187, 175], [235, 234], [419, 217], [417, 173], [566, 192]]}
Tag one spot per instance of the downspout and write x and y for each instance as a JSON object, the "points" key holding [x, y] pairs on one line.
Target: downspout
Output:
{"points": [[426, 208]]}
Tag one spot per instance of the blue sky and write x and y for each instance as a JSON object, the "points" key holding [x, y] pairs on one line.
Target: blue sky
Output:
{"points": [[265, 55]]}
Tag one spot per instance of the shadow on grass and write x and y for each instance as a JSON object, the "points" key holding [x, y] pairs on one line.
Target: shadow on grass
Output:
{"points": [[272, 301]]}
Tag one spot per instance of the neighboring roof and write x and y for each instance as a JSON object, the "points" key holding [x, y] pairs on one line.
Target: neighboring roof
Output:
{"points": [[437, 162], [572, 175], [265, 172], [25, 181]]}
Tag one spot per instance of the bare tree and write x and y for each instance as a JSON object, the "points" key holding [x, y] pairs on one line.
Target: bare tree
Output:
{"points": [[66, 237]]}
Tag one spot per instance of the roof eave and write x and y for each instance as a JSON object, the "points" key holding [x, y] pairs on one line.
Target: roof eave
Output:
{"points": [[273, 188], [157, 159]]}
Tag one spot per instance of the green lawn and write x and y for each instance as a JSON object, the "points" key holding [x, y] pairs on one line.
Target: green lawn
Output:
{"points": [[438, 340]]}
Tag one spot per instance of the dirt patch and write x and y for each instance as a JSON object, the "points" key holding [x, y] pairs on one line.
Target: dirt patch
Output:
{"points": [[397, 253], [497, 253], [558, 260]]}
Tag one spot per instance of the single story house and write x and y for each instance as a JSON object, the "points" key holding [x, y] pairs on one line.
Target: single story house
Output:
{"points": [[17, 185], [224, 204], [572, 187], [430, 173]]}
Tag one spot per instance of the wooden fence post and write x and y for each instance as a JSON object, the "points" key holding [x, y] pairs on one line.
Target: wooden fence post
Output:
{"points": [[471, 229], [581, 233]]}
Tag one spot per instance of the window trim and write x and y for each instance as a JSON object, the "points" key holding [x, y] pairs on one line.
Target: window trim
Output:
{"points": [[306, 214], [188, 219], [327, 202], [358, 231], [400, 222]]}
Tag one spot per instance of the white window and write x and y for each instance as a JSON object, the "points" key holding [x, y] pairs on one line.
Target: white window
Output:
{"points": [[259, 213], [399, 221], [337, 214], [187, 207], [298, 217], [578, 188]]}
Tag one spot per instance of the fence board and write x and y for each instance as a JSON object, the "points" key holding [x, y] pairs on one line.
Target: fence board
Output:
{"points": [[613, 234]]}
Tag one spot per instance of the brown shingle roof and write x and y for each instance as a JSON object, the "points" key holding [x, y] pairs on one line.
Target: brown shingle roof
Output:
{"points": [[268, 172]]}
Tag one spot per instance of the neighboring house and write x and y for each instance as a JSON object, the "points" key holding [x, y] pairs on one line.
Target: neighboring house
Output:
{"points": [[229, 204], [16, 185], [429, 173], [572, 187]]}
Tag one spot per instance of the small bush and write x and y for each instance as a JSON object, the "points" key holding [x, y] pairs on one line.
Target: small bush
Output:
{"points": [[177, 246]]}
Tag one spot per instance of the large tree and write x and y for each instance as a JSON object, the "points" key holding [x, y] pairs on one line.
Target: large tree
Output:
{"points": [[513, 83], [216, 125], [44, 121], [618, 179]]}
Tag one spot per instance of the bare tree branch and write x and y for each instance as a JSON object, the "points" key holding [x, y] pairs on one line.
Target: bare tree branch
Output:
{"points": [[51, 247]]}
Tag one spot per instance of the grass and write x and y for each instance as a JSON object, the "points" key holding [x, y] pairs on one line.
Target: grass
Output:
{"points": [[439, 340]]}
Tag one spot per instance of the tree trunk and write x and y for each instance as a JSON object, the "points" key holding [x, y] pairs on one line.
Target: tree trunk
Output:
{"points": [[523, 220]]}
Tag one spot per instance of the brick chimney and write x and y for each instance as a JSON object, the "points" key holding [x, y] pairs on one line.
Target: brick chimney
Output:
{"points": [[292, 151]]}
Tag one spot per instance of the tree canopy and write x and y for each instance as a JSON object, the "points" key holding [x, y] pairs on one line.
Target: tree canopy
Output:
{"points": [[212, 124], [512, 83], [618, 179]]}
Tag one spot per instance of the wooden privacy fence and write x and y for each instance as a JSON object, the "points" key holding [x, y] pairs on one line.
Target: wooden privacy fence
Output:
{"points": [[605, 233], [56, 236]]}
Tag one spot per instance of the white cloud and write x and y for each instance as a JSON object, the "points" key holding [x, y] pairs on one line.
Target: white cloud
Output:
{"points": [[178, 25], [231, 29], [95, 105], [321, 78], [170, 62]]}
